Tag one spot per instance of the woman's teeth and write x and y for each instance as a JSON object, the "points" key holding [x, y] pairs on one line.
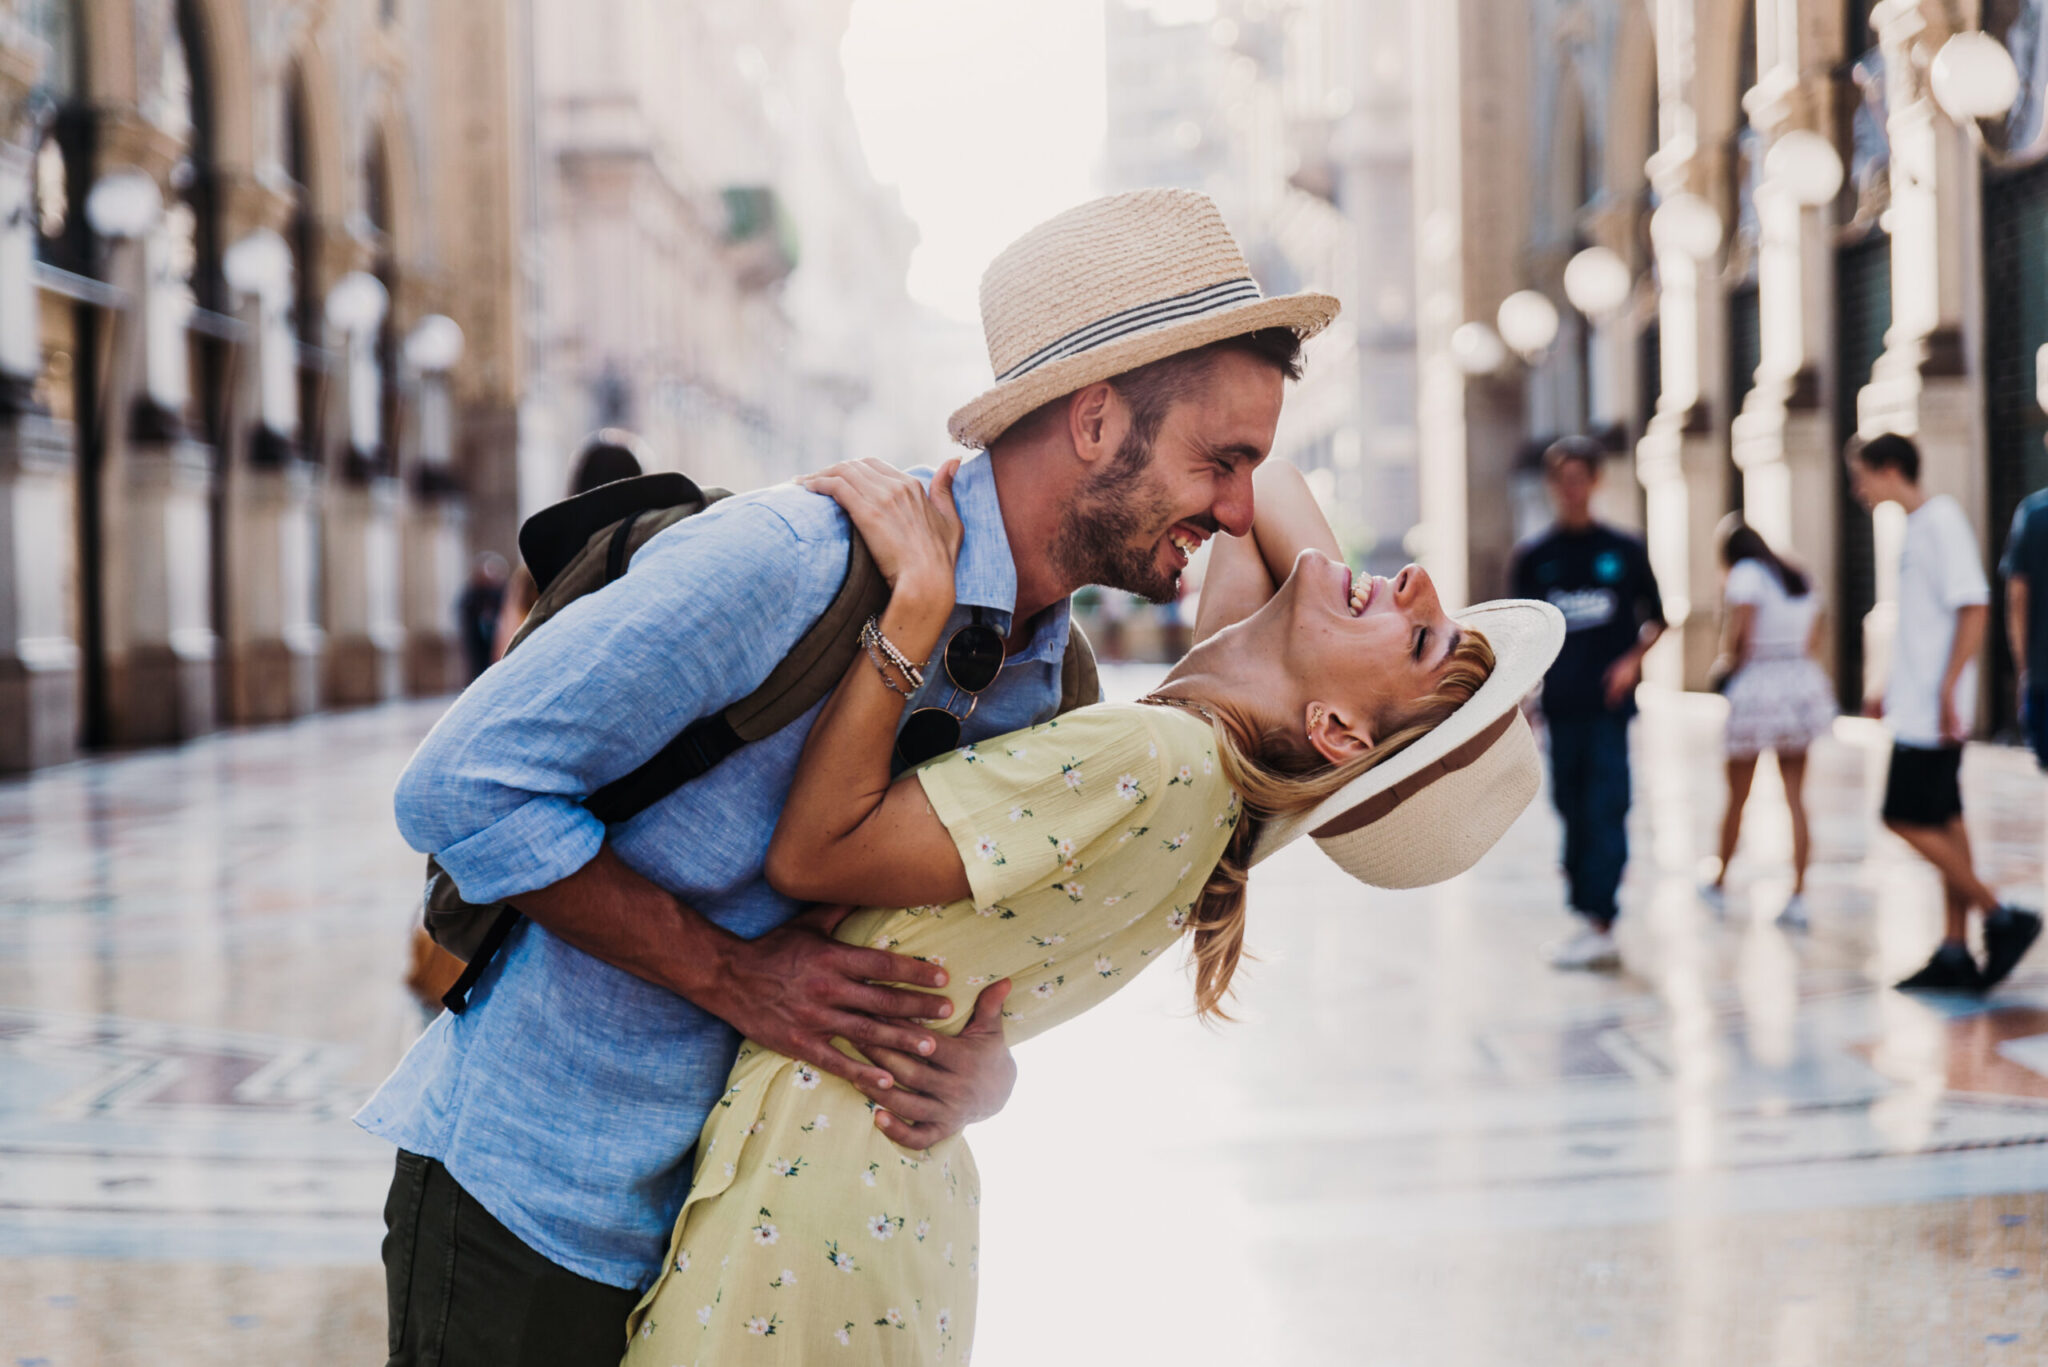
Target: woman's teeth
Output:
{"points": [[1361, 594]]}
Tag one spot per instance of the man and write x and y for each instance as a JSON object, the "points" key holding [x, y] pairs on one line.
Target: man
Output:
{"points": [[1600, 579], [2024, 565], [1930, 703], [545, 1134]]}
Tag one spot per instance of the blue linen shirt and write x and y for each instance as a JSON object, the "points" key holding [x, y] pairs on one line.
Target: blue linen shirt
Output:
{"points": [[567, 1098]]}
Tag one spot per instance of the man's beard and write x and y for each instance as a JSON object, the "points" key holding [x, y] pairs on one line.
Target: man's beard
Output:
{"points": [[1097, 540]]}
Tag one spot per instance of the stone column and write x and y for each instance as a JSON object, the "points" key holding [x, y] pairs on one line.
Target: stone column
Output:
{"points": [[365, 631], [436, 555], [275, 644], [1784, 438], [39, 657]]}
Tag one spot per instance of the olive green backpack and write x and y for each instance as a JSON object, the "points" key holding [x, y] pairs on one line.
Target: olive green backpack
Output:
{"points": [[581, 544]]}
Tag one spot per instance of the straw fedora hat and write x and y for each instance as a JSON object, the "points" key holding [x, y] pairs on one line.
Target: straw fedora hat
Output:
{"points": [[1428, 813], [1109, 286]]}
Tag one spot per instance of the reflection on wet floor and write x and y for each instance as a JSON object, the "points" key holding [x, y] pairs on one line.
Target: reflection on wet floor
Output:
{"points": [[1422, 1146]]}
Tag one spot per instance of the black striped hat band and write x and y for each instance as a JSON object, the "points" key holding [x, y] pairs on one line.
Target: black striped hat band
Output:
{"points": [[1139, 318]]}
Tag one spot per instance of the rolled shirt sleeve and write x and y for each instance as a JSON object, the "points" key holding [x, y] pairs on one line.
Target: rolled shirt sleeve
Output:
{"points": [[708, 609]]}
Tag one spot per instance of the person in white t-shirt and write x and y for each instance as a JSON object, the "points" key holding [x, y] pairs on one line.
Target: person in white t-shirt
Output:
{"points": [[1778, 699], [1930, 702]]}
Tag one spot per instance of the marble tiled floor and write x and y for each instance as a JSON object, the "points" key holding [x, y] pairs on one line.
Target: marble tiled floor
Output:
{"points": [[1421, 1146]]}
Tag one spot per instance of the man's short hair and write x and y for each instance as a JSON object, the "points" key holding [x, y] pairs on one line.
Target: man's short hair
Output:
{"points": [[1152, 390], [1889, 451], [1565, 450]]}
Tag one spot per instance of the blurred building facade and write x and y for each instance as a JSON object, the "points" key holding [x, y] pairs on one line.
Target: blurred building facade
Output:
{"points": [[1913, 299], [230, 490], [303, 305], [715, 266], [1293, 115]]}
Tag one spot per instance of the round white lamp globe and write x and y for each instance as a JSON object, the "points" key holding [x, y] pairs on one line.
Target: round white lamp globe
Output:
{"points": [[258, 264], [1598, 282], [1974, 77], [1687, 225], [124, 204], [1807, 165], [1527, 322], [435, 344], [1477, 349], [357, 302]]}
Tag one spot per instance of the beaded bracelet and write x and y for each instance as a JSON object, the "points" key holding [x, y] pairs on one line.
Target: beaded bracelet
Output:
{"points": [[877, 646]]}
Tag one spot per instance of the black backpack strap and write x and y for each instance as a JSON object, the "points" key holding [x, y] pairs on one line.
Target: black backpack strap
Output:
{"points": [[456, 998]]}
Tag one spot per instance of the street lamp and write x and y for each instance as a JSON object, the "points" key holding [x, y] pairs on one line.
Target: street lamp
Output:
{"points": [[124, 204], [1528, 323], [356, 303], [1476, 349], [1974, 77], [1806, 165], [1686, 225], [1598, 282], [259, 264], [435, 344]]}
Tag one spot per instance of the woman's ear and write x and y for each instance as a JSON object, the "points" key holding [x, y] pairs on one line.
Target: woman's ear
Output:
{"points": [[1337, 736]]}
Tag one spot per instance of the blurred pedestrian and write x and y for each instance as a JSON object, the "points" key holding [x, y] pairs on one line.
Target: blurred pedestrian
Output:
{"points": [[476, 611], [1930, 703], [2025, 564], [1778, 697], [1600, 578], [608, 454]]}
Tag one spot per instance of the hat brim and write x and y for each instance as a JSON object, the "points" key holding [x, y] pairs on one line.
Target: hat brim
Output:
{"points": [[990, 414], [1526, 637]]}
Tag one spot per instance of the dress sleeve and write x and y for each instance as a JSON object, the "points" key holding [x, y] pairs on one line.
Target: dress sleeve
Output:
{"points": [[1035, 807], [1746, 584]]}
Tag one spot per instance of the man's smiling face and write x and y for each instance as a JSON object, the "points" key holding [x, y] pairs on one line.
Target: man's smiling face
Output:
{"points": [[1136, 523]]}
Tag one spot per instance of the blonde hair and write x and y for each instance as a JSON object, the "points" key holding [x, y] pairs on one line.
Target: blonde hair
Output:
{"points": [[1275, 775]]}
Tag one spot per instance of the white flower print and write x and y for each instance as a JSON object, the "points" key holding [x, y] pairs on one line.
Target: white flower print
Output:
{"points": [[988, 852], [947, 1253], [805, 1077], [1045, 989], [1178, 918], [728, 1169], [1074, 891], [945, 1321], [1019, 813], [788, 1278], [842, 1261], [1177, 841], [868, 1178], [823, 1122], [786, 1167], [924, 1227], [968, 755], [1112, 901], [1048, 941], [844, 1334], [1104, 967], [683, 1260], [884, 1227], [976, 980], [704, 1314], [763, 1324], [1181, 775], [1127, 788], [1183, 872], [894, 1318], [646, 1330], [1063, 848], [1208, 763], [766, 1233], [1016, 752], [1071, 773]]}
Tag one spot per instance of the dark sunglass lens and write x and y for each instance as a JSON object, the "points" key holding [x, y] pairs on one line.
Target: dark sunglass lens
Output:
{"points": [[974, 657], [931, 731]]}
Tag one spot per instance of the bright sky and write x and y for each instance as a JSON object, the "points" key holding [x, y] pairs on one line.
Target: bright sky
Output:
{"points": [[986, 114]]}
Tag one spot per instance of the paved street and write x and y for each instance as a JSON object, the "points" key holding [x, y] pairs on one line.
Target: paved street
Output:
{"points": [[1421, 1146]]}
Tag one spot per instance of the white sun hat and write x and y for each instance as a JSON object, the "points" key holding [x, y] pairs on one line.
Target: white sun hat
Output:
{"points": [[1432, 810], [1112, 285]]}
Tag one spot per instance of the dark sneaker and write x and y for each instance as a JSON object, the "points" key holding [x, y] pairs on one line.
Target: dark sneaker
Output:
{"points": [[2008, 935], [1950, 970]]}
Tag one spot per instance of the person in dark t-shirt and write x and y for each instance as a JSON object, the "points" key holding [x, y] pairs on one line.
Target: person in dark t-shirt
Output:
{"points": [[2025, 567], [1600, 579]]}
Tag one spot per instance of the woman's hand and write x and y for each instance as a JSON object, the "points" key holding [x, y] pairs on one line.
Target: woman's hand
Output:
{"points": [[914, 536]]}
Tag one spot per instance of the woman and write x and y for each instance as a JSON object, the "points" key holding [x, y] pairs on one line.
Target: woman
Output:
{"points": [[1064, 858], [1778, 697]]}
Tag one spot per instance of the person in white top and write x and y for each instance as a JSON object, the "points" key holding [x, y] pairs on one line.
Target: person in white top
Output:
{"points": [[1778, 698], [1930, 703]]}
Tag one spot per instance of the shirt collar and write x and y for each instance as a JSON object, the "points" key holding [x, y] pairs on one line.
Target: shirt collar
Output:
{"points": [[985, 576]]}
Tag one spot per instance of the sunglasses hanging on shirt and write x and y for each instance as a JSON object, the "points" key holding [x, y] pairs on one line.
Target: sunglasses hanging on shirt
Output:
{"points": [[973, 656]]}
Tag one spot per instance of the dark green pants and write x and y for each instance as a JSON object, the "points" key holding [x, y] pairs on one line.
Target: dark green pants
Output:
{"points": [[465, 1292]]}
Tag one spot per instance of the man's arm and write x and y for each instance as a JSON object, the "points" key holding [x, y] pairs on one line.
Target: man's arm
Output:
{"points": [[2016, 591], [1627, 671], [1970, 622]]}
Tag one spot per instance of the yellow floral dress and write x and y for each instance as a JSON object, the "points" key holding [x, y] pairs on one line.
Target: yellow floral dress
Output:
{"points": [[807, 1233]]}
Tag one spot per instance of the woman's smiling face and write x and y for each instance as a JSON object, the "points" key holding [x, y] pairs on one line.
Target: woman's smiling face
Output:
{"points": [[1363, 650]]}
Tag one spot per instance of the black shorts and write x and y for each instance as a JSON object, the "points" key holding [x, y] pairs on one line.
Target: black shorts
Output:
{"points": [[1924, 786]]}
